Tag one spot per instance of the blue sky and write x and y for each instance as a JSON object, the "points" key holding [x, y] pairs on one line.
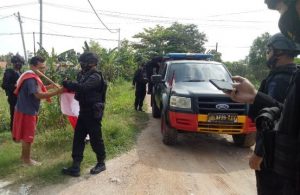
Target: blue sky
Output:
{"points": [[234, 24]]}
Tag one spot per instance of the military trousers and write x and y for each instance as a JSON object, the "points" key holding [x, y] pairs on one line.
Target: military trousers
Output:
{"points": [[271, 183], [87, 124]]}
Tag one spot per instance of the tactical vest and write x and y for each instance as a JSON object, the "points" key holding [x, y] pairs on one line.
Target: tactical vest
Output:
{"points": [[10, 79], [92, 96]]}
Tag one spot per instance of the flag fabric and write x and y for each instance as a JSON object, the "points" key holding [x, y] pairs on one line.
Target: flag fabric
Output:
{"points": [[73, 120], [172, 81], [70, 107]]}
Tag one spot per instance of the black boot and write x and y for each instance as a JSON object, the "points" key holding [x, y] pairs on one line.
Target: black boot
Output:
{"points": [[73, 171], [98, 168]]}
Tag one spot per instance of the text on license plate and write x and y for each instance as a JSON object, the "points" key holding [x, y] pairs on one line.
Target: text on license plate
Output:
{"points": [[222, 117]]}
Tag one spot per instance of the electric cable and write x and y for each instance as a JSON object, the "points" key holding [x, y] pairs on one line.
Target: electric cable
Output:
{"points": [[99, 17]]}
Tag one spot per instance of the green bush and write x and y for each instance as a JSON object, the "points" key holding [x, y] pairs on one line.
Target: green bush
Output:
{"points": [[50, 115], [4, 112]]}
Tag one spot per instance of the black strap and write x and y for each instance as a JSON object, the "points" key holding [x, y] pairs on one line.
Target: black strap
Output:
{"points": [[103, 88]]}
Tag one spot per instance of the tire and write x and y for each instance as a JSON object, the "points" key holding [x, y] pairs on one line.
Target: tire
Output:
{"points": [[244, 140], [169, 134], [155, 109]]}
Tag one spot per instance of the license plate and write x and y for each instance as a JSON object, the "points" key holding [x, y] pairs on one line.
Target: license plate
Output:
{"points": [[222, 118]]}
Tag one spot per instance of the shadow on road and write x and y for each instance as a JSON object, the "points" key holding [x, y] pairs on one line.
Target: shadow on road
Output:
{"points": [[194, 153]]}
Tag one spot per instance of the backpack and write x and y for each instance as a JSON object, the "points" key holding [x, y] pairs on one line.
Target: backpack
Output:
{"points": [[104, 88]]}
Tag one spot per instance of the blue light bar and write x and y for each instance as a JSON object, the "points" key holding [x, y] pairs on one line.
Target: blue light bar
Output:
{"points": [[188, 56]]}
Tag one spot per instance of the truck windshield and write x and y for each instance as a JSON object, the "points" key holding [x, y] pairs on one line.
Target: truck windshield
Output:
{"points": [[189, 72]]}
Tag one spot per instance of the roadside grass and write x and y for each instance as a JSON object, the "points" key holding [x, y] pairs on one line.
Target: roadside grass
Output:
{"points": [[52, 146]]}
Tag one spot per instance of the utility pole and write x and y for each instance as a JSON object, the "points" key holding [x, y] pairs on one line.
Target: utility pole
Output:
{"points": [[41, 24], [119, 39], [216, 47], [34, 43], [22, 35]]}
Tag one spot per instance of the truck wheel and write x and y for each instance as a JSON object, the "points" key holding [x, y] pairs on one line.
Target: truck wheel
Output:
{"points": [[169, 134], [244, 140], [155, 109]]}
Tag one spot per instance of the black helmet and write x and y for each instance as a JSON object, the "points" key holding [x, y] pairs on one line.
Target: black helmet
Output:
{"points": [[272, 3], [280, 42], [289, 22], [17, 59], [88, 58]]}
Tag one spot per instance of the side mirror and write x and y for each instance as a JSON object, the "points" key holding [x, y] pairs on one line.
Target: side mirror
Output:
{"points": [[156, 78]]}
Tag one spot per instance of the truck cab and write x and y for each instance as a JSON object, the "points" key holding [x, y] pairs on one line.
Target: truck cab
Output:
{"points": [[186, 101]]}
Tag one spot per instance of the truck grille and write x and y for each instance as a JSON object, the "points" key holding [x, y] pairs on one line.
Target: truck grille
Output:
{"points": [[220, 128], [208, 105]]}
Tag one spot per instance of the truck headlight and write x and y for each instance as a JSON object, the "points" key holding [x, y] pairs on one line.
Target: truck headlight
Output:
{"points": [[180, 102]]}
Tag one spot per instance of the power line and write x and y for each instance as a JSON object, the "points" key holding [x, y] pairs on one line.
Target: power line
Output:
{"points": [[124, 15], [98, 16], [112, 12], [81, 37], [175, 20], [3, 17], [18, 5], [237, 13], [61, 35], [69, 25], [116, 30], [4, 34]]}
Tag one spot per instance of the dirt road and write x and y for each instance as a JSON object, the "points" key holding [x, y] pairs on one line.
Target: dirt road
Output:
{"points": [[199, 164]]}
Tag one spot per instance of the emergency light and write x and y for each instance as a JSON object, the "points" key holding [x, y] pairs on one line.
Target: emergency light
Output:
{"points": [[187, 56]]}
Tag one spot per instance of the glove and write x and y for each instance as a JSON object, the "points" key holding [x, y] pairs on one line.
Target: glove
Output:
{"points": [[68, 84]]}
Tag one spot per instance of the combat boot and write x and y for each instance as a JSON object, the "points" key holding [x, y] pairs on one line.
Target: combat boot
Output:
{"points": [[73, 171], [98, 168]]}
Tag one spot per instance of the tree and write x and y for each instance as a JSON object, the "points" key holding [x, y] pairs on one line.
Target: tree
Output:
{"points": [[115, 62], [238, 68], [126, 60], [257, 57], [176, 38], [185, 39], [216, 55], [6, 57]]}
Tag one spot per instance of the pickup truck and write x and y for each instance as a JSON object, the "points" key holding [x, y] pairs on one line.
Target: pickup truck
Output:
{"points": [[186, 101]]}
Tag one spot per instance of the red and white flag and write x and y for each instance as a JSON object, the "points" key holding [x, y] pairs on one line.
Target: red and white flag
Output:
{"points": [[70, 107], [172, 81]]}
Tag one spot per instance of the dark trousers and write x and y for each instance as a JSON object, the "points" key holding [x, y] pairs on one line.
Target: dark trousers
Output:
{"points": [[270, 183], [12, 101], [150, 86], [139, 98], [86, 124]]}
